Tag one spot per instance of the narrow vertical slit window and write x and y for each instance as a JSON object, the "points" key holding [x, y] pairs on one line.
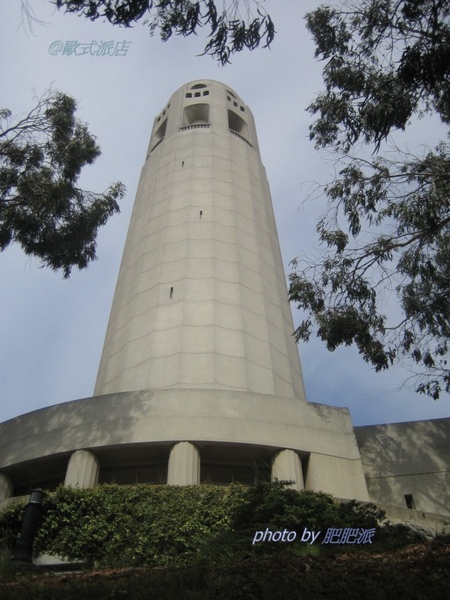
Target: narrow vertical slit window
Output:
{"points": [[409, 501], [171, 292]]}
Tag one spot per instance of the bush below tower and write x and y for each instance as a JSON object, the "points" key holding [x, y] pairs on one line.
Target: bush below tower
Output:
{"points": [[165, 525]]}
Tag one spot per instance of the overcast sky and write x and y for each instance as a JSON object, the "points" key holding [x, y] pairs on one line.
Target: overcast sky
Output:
{"points": [[51, 329]]}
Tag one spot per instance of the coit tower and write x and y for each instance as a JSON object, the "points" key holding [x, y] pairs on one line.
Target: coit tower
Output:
{"points": [[201, 299], [199, 379]]}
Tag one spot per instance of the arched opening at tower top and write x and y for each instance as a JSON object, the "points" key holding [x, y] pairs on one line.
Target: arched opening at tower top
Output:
{"points": [[238, 125], [160, 132], [195, 114]]}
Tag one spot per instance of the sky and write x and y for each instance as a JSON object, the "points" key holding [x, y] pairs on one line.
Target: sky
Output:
{"points": [[52, 330]]}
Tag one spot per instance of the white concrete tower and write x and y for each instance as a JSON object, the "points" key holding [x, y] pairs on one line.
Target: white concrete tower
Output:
{"points": [[201, 298]]}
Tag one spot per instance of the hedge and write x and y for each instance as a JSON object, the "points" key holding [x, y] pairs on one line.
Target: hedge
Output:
{"points": [[168, 525]]}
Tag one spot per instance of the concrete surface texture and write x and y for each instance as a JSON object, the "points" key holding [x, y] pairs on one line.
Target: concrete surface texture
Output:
{"points": [[408, 464]]}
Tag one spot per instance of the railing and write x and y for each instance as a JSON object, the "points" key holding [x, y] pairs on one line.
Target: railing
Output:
{"points": [[195, 126], [157, 144], [204, 126], [241, 136]]}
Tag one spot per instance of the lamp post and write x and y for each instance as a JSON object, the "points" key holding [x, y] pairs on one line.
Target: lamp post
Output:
{"points": [[23, 552]]}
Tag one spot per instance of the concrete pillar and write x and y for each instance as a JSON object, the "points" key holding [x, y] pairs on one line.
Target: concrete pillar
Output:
{"points": [[6, 487], [286, 465], [343, 478], [184, 465], [82, 470]]}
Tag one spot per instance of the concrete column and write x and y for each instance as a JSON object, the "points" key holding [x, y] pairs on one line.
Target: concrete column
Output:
{"points": [[6, 487], [184, 465], [286, 465], [343, 478], [82, 470]]}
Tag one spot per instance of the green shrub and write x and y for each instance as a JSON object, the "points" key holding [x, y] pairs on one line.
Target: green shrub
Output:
{"points": [[272, 506], [167, 525], [394, 537], [10, 525], [134, 524], [443, 535]]}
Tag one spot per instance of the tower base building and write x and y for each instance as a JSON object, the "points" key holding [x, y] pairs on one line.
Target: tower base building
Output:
{"points": [[183, 437], [200, 379]]}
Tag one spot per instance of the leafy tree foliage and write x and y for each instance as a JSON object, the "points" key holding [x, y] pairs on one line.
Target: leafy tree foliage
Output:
{"points": [[231, 28], [385, 62], [41, 207]]}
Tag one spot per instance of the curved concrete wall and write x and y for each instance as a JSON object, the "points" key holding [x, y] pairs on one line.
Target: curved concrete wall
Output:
{"points": [[222, 417], [173, 415]]}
